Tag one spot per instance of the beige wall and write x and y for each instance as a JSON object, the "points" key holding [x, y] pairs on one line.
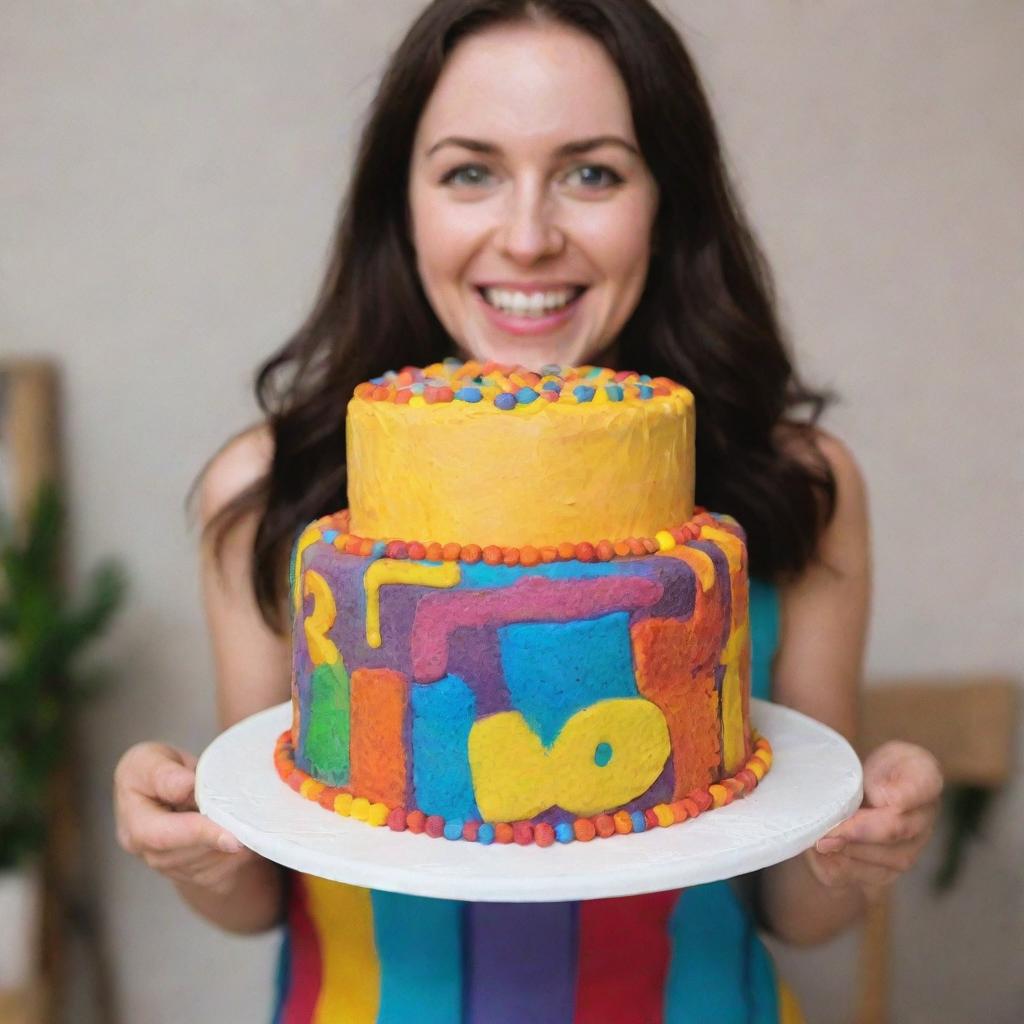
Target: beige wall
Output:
{"points": [[168, 178]]}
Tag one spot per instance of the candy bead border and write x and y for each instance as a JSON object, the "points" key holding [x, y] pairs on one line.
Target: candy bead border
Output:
{"points": [[508, 387], [524, 833], [334, 530]]}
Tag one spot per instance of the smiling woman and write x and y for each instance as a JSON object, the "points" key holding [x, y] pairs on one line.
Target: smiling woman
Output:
{"points": [[532, 206], [540, 181]]}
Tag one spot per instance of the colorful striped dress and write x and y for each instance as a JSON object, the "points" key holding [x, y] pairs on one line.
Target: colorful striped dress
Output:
{"points": [[690, 956]]}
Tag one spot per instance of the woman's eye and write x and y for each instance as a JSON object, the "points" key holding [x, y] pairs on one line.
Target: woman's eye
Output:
{"points": [[467, 174], [594, 176]]}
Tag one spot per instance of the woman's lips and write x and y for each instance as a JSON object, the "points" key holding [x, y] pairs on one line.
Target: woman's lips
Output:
{"points": [[528, 325]]}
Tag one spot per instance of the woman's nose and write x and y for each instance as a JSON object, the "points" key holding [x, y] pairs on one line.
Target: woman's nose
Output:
{"points": [[529, 232]]}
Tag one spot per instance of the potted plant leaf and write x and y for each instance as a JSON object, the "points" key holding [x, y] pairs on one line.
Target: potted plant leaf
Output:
{"points": [[44, 632]]}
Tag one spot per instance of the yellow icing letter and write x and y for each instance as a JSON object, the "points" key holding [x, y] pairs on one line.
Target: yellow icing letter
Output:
{"points": [[606, 755], [322, 650], [396, 570], [310, 535]]}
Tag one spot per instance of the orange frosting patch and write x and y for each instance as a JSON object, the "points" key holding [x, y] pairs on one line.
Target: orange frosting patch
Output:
{"points": [[689, 703], [377, 752]]}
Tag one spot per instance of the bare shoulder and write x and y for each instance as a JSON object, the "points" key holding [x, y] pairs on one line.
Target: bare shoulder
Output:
{"points": [[251, 659], [825, 609], [812, 444], [845, 538], [845, 468], [844, 542], [240, 462]]}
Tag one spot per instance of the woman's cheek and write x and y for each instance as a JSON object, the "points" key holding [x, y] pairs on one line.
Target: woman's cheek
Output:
{"points": [[445, 240], [617, 237]]}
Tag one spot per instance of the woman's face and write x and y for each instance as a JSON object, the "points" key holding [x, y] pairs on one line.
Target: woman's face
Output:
{"points": [[531, 206]]}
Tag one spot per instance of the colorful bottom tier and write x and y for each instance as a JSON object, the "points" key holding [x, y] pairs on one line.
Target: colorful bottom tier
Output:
{"points": [[506, 695]]}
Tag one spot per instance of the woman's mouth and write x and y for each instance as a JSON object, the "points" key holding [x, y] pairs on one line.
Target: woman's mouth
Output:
{"points": [[529, 312]]}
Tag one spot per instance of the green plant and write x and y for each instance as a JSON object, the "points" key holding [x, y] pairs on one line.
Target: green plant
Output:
{"points": [[43, 634]]}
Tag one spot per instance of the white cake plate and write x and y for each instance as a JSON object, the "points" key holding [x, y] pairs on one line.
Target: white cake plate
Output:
{"points": [[814, 783]]}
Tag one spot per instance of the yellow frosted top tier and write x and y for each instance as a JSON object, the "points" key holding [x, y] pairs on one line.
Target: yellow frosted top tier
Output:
{"points": [[485, 454]]}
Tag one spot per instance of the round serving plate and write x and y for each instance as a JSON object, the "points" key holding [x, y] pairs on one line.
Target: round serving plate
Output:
{"points": [[814, 783]]}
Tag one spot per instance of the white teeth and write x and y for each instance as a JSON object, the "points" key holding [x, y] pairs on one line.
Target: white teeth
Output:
{"points": [[521, 304]]}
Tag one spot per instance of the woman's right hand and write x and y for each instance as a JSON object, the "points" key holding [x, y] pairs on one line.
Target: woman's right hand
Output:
{"points": [[157, 820]]}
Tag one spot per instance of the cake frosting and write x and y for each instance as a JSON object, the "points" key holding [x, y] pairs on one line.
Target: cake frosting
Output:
{"points": [[521, 630], [584, 456]]}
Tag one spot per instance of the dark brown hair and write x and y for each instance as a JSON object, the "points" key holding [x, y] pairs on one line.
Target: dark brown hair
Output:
{"points": [[706, 316]]}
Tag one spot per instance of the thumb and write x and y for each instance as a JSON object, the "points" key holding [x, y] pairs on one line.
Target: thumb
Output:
{"points": [[902, 776], [174, 784]]}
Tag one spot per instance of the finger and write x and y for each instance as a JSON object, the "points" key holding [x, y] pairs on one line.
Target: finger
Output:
{"points": [[878, 825], [901, 775], [188, 859], [174, 784], [218, 877], [139, 765], [900, 857], [187, 876], [837, 870], [193, 858], [188, 759], [155, 828]]}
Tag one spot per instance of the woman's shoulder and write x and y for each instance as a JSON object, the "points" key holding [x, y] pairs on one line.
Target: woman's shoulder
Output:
{"points": [[242, 461], [811, 445], [844, 540], [841, 460]]}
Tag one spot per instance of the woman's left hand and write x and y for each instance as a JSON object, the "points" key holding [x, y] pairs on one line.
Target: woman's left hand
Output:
{"points": [[871, 849]]}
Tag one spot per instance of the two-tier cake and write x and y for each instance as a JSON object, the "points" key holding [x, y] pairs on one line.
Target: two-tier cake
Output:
{"points": [[520, 630]]}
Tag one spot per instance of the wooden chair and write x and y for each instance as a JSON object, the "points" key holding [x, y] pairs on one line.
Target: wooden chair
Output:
{"points": [[969, 725]]}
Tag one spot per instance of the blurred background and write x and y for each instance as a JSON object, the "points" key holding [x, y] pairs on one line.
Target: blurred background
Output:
{"points": [[169, 178]]}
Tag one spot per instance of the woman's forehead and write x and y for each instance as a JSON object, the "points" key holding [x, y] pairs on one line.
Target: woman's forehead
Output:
{"points": [[532, 82]]}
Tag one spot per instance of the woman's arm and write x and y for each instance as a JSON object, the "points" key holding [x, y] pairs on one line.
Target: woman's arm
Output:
{"points": [[818, 671], [251, 663], [154, 783]]}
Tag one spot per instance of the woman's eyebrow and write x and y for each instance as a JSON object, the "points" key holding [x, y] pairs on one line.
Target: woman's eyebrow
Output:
{"points": [[569, 149]]}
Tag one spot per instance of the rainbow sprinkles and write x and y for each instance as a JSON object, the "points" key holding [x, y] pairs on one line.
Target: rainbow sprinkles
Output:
{"points": [[511, 387]]}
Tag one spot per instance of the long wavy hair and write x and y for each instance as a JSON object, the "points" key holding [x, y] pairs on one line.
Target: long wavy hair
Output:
{"points": [[706, 316]]}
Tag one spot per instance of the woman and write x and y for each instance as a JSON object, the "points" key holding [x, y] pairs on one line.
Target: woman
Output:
{"points": [[541, 182]]}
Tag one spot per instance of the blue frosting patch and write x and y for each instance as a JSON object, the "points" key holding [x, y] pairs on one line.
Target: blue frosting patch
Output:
{"points": [[481, 574], [602, 754], [442, 715], [553, 669]]}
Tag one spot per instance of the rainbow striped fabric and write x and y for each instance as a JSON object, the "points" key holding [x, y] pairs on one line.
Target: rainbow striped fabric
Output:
{"points": [[356, 956], [692, 956]]}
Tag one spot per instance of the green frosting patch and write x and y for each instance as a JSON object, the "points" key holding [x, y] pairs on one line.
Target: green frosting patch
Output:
{"points": [[327, 738]]}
